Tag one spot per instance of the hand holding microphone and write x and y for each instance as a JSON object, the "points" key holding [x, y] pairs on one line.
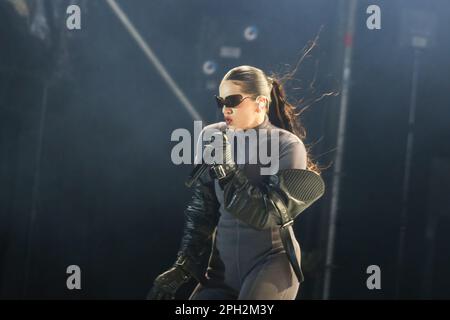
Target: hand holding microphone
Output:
{"points": [[222, 164], [225, 165]]}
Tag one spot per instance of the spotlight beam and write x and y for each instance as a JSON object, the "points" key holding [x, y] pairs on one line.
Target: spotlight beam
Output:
{"points": [[153, 59]]}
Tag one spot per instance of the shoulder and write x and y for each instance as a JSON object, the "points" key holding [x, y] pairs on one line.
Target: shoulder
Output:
{"points": [[293, 153], [288, 140]]}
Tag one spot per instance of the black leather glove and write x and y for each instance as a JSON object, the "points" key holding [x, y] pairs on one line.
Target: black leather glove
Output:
{"points": [[274, 202], [167, 283], [224, 168], [201, 218]]}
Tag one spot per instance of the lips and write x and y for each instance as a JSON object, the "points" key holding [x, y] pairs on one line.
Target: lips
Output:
{"points": [[228, 120]]}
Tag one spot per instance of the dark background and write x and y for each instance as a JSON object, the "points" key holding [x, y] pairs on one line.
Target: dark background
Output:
{"points": [[86, 176]]}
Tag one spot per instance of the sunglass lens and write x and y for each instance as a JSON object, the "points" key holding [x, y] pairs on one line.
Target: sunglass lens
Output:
{"points": [[230, 101], [233, 101]]}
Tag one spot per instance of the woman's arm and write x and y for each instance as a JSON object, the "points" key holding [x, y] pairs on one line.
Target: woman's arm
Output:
{"points": [[280, 197], [201, 218]]}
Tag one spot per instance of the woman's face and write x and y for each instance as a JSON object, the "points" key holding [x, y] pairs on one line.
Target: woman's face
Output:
{"points": [[244, 116]]}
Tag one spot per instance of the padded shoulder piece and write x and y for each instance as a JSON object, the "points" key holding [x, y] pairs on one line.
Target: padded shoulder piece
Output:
{"points": [[299, 189]]}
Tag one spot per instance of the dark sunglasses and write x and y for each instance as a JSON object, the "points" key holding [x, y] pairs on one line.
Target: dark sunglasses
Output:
{"points": [[231, 101]]}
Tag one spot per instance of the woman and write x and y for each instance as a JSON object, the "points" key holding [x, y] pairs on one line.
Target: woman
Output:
{"points": [[239, 222]]}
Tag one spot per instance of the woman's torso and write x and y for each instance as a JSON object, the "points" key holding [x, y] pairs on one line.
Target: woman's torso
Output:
{"points": [[238, 247]]}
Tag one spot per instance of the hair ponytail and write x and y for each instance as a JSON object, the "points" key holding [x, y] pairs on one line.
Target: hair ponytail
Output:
{"points": [[282, 114]]}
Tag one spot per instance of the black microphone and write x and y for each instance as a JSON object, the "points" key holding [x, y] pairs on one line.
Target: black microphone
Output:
{"points": [[199, 169]]}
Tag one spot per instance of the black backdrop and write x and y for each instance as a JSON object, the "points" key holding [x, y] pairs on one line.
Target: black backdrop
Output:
{"points": [[85, 121]]}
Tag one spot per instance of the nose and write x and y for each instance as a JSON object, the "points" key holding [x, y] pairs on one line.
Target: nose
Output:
{"points": [[227, 111]]}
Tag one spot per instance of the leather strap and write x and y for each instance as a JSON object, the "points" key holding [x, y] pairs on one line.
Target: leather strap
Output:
{"points": [[287, 234]]}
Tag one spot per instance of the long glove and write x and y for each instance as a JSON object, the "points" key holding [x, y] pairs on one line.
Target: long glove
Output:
{"points": [[201, 217]]}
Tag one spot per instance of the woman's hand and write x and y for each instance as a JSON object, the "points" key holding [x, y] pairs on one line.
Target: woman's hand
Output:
{"points": [[226, 167], [167, 284]]}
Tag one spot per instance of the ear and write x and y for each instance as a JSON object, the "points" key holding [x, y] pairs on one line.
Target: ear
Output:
{"points": [[262, 102]]}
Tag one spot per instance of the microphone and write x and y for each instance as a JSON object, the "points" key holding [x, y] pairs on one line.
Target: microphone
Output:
{"points": [[199, 169]]}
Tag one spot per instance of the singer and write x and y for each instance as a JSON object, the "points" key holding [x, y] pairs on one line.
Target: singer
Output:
{"points": [[238, 240]]}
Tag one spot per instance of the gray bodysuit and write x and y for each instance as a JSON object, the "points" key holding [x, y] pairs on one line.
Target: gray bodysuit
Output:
{"points": [[247, 263]]}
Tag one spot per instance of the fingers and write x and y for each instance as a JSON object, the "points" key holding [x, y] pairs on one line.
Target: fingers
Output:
{"points": [[168, 296], [152, 294], [157, 294], [162, 295]]}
